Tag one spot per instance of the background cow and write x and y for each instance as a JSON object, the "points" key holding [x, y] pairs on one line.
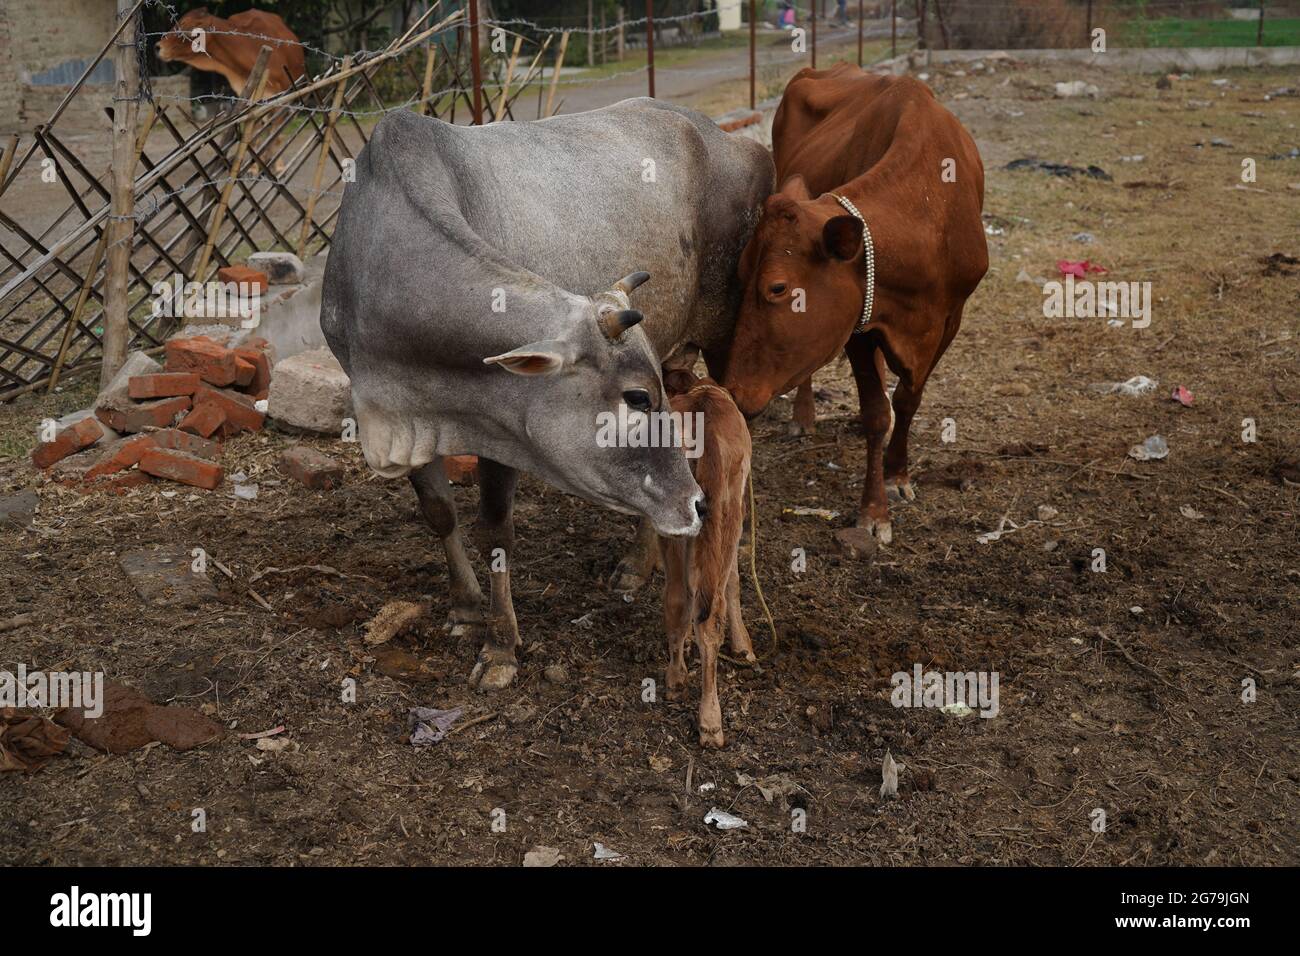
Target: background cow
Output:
{"points": [[230, 47], [907, 165], [457, 245]]}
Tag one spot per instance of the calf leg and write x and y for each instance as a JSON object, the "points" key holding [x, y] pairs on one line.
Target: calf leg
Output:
{"points": [[497, 664], [677, 612], [804, 419], [737, 633], [439, 509], [708, 639], [636, 567], [869, 372]]}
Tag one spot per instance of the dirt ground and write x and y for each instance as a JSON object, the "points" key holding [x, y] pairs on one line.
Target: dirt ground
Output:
{"points": [[1120, 690]]}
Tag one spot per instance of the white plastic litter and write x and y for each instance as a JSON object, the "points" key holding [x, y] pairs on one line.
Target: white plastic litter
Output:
{"points": [[605, 853], [888, 777], [1137, 385], [724, 820], [1153, 449], [247, 492], [1005, 526]]}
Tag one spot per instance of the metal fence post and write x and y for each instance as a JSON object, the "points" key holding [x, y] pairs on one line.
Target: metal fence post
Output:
{"points": [[859, 33], [476, 68], [650, 42], [753, 42], [813, 20]]}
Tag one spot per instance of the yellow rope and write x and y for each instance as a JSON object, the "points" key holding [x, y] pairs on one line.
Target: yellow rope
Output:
{"points": [[753, 567]]}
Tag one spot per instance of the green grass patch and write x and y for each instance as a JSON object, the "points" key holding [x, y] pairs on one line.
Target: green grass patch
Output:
{"points": [[1176, 32]]}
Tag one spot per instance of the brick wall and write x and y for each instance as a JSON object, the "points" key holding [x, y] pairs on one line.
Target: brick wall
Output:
{"points": [[44, 47], [9, 98]]}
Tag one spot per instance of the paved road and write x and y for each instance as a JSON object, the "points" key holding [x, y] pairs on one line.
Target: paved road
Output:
{"points": [[680, 83]]}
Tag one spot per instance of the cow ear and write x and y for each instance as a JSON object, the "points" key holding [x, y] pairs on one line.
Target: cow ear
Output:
{"points": [[537, 358], [842, 238], [796, 187]]}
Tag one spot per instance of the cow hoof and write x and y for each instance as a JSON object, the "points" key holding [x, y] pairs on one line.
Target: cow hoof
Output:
{"points": [[882, 531], [900, 489], [741, 646], [494, 670], [675, 690], [464, 621], [795, 430], [711, 738], [627, 578]]}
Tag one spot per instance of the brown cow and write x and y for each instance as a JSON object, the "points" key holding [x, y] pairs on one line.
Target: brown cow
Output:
{"points": [[886, 146], [701, 575], [230, 47]]}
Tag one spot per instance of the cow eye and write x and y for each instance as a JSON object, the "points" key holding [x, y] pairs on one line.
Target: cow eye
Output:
{"points": [[638, 399], [777, 288]]}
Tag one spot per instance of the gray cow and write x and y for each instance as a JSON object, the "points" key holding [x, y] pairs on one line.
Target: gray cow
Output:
{"points": [[470, 294]]}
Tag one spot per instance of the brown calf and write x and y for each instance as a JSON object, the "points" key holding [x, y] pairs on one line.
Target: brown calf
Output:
{"points": [[702, 578]]}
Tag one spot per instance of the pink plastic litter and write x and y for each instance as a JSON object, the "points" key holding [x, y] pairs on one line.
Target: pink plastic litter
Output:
{"points": [[1182, 395], [1079, 270]]}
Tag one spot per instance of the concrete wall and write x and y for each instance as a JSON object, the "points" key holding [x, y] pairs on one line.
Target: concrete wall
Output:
{"points": [[1138, 60]]}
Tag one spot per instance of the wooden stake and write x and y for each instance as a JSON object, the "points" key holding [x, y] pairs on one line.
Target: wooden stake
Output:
{"points": [[83, 295], [555, 77], [11, 149], [326, 141], [258, 76], [121, 225], [505, 85], [427, 88]]}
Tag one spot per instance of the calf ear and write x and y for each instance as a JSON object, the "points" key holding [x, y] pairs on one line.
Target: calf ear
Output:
{"points": [[842, 238], [537, 358]]}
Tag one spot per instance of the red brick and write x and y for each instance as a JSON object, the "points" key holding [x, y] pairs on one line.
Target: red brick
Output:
{"points": [[120, 455], [238, 408], [310, 467], [67, 442], [178, 466], [205, 419], [212, 361], [244, 274], [136, 418], [244, 371], [190, 444], [162, 385], [260, 385], [461, 469]]}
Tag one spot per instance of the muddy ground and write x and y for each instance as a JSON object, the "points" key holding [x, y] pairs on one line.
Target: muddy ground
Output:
{"points": [[1120, 690]]}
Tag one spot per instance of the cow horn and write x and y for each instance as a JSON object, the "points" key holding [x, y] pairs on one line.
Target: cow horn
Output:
{"points": [[616, 322], [630, 282]]}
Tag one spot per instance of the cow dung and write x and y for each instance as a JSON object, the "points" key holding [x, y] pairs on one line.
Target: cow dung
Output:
{"points": [[130, 721]]}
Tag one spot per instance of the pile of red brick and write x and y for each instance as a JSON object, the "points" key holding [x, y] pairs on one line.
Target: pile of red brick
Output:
{"points": [[209, 388]]}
